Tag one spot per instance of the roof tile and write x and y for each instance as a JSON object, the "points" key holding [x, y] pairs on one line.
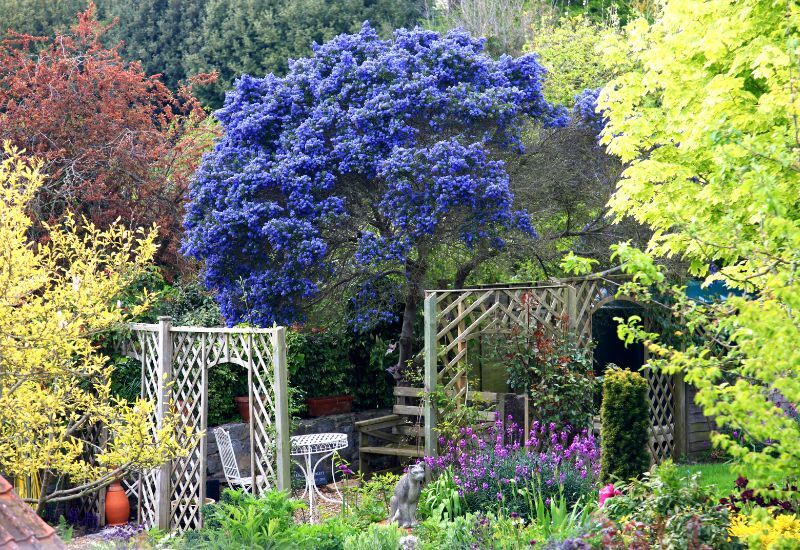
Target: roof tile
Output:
{"points": [[20, 527]]}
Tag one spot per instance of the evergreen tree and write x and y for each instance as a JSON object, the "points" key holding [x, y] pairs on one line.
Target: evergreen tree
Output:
{"points": [[39, 17], [258, 37], [159, 33]]}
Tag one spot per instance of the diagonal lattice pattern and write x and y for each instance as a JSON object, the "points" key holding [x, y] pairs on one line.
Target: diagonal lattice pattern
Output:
{"points": [[463, 316], [183, 391]]}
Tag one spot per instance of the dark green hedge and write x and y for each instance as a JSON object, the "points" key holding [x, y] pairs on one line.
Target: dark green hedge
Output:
{"points": [[625, 418], [334, 362]]}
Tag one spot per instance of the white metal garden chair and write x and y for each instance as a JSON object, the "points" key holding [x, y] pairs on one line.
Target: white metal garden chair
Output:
{"points": [[229, 464]]}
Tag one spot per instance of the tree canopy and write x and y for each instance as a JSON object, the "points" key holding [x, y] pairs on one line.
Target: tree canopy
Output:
{"points": [[56, 299], [115, 142], [705, 115], [354, 166], [569, 51], [258, 37]]}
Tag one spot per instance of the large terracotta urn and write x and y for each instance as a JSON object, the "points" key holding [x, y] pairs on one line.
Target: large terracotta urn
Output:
{"points": [[118, 509]]}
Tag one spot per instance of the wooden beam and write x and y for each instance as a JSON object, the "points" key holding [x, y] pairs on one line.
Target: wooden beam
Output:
{"points": [[402, 450], [281, 409], [679, 410], [408, 391], [164, 488], [410, 410], [431, 341], [391, 418]]}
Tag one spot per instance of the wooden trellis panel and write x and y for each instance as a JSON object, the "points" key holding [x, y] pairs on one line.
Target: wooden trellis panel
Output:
{"points": [[465, 315], [455, 317], [590, 295], [92, 504], [142, 344], [189, 383], [175, 363], [662, 419]]}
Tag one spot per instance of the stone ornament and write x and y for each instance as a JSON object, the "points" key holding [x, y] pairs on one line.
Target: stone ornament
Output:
{"points": [[403, 504]]}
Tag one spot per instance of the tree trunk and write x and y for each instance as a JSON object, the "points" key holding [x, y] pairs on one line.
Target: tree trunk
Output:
{"points": [[43, 486], [415, 273]]}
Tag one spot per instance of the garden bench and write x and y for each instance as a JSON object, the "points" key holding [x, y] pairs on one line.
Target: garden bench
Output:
{"points": [[402, 433]]}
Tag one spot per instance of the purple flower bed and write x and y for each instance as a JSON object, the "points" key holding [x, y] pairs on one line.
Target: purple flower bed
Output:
{"points": [[499, 469]]}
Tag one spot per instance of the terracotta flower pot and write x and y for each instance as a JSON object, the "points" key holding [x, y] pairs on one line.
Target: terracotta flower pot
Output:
{"points": [[118, 509], [336, 404], [243, 406]]}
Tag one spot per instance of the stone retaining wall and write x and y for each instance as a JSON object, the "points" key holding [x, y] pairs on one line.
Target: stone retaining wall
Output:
{"points": [[240, 439]]}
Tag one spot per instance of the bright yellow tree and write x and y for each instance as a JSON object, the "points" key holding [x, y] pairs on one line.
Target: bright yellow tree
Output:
{"points": [[705, 113], [56, 298]]}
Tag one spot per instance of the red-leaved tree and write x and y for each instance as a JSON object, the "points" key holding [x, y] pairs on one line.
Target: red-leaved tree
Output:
{"points": [[116, 142]]}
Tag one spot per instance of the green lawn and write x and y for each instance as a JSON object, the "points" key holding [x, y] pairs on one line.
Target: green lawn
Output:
{"points": [[717, 474]]}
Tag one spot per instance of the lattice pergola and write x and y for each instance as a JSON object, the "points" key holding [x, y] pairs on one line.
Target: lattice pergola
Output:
{"points": [[455, 319], [175, 363]]}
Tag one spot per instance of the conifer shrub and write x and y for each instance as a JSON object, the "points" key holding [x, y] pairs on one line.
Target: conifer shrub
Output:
{"points": [[625, 418]]}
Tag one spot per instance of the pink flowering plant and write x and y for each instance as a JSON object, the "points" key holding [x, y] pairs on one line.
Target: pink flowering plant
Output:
{"points": [[499, 470], [607, 492]]}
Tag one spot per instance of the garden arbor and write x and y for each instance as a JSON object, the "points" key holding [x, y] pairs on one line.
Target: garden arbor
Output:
{"points": [[175, 364], [457, 321]]}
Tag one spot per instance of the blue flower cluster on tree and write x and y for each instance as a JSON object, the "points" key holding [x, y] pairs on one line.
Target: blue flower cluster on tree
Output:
{"points": [[350, 168], [585, 110]]}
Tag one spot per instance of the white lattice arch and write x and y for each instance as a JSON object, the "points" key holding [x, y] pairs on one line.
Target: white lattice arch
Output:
{"points": [[175, 364]]}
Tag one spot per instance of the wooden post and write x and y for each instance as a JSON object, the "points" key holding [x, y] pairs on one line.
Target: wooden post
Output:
{"points": [[680, 440], [572, 310], [203, 418], [164, 492], [101, 494], [461, 382], [281, 408], [431, 327], [526, 408], [143, 395], [251, 404]]}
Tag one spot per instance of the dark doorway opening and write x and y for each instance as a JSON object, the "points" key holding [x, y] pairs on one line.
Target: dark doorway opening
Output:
{"points": [[608, 347]]}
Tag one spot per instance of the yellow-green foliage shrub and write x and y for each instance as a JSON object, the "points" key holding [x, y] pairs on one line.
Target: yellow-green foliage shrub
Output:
{"points": [[568, 50], [705, 117], [624, 417]]}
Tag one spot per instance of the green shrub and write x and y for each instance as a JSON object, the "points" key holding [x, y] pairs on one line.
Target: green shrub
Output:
{"points": [[440, 498], [553, 368], [329, 535], [625, 418], [336, 361], [368, 502], [376, 537], [241, 520], [671, 509]]}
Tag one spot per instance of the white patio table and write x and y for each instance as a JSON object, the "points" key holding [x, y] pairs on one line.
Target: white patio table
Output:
{"points": [[306, 446]]}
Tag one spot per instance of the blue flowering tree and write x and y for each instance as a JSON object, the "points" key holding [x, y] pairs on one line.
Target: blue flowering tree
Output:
{"points": [[343, 176]]}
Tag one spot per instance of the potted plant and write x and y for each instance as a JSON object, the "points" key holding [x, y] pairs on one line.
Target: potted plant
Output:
{"points": [[234, 378], [332, 404], [242, 403], [319, 367], [329, 393]]}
